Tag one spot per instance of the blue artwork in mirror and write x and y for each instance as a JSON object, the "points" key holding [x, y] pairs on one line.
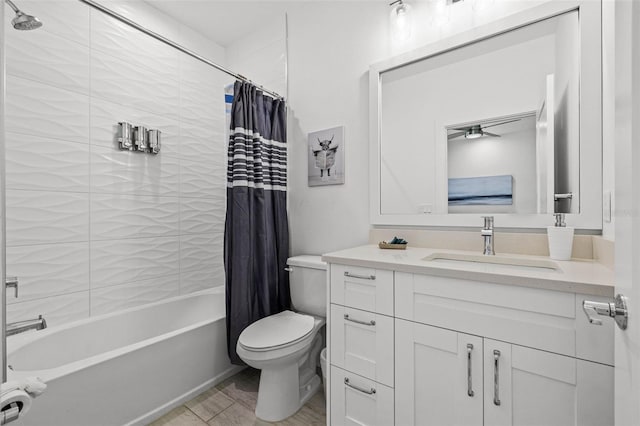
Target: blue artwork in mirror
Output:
{"points": [[484, 190]]}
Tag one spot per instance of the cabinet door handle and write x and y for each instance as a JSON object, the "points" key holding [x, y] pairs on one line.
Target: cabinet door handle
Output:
{"points": [[469, 384], [369, 323], [370, 391], [362, 277], [496, 377]]}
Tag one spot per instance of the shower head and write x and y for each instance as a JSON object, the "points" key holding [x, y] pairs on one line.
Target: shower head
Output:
{"points": [[22, 21]]}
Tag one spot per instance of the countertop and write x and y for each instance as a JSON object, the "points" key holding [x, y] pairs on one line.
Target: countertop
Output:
{"points": [[573, 276]]}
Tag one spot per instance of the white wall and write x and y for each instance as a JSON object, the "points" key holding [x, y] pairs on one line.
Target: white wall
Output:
{"points": [[261, 55], [92, 229], [331, 45], [608, 108]]}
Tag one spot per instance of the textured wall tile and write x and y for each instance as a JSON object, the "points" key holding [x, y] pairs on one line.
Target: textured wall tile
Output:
{"points": [[66, 64], [197, 73], [116, 298], [43, 110], [203, 215], [46, 270], [119, 261], [119, 81], [56, 310], [35, 217], [198, 179], [201, 252], [114, 38], [204, 143], [202, 103], [135, 216], [105, 116], [126, 172], [65, 18], [46, 164], [201, 279]]}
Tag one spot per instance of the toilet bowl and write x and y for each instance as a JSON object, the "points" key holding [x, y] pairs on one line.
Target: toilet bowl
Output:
{"points": [[286, 346]]}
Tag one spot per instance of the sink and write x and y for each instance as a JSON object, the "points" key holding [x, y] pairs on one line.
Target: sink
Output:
{"points": [[501, 261]]}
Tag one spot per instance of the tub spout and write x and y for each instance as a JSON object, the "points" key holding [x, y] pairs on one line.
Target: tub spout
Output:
{"points": [[22, 326]]}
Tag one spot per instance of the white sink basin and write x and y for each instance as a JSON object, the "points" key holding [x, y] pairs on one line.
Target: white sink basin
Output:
{"points": [[510, 262]]}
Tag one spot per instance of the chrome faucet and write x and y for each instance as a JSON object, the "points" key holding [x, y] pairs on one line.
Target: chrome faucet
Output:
{"points": [[22, 326], [487, 234]]}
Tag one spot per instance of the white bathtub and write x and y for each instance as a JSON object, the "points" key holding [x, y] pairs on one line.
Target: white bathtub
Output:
{"points": [[126, 368]]}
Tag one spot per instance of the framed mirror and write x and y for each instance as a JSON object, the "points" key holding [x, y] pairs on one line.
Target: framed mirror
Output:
{"points": [[502, 120]]}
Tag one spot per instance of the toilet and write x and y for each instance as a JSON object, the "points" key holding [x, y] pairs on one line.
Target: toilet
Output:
{"points": [[286, 346]]}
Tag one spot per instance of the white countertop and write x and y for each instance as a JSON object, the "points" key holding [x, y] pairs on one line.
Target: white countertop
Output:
{"points": [[574, 276]]}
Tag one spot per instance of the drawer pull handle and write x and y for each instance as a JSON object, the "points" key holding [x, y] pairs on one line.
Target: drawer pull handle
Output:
{"points": [[370, 391], [369, 323], [362, 277], [470, 391], [496, 377]]}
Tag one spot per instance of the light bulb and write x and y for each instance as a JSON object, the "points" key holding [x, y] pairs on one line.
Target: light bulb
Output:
{"points": [[401, 21]]}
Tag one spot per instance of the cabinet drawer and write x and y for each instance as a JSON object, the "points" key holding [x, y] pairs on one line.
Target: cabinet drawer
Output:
{"points": [[526, 316], [362, 288], [362, 343], [359, 401]]}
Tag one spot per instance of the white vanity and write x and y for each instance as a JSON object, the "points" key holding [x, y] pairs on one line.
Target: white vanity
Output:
{"points": [[415, 341]]}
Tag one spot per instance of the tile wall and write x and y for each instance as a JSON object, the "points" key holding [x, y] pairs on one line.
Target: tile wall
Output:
{"points": [[92, 229]]}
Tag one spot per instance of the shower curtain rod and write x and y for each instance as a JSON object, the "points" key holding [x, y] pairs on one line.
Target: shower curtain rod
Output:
{"points": [[173, 44]]}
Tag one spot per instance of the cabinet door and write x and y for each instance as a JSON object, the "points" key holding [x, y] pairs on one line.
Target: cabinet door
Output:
{"points": [[356, 400], [438, 376], [524, 386], [362, 342]]}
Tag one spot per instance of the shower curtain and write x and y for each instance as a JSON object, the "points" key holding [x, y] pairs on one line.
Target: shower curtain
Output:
{"points": [[256, 240]]}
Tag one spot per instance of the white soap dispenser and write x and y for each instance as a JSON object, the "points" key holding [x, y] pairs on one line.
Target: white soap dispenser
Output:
{"points": [[560, 239]]}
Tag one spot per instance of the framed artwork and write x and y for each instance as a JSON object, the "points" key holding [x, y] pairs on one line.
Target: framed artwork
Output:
{"points": [[485, 190], [326, 157]]}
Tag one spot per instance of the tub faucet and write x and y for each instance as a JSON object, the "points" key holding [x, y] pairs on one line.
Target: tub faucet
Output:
{"points": [[22, 326], [487, 234]]}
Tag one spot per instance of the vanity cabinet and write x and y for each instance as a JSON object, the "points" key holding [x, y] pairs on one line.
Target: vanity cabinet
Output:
{"points": [[428, 350], [445, 377]]}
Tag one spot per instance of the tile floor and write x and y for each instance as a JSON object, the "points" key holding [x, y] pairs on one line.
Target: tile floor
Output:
{"points": [[232, 403]]}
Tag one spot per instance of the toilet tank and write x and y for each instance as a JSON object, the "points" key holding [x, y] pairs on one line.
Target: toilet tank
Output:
{"points": [[308, 282]]}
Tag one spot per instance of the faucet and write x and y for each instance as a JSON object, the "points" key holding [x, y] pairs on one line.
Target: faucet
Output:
{"points": [[22, 326], [487, 234]]}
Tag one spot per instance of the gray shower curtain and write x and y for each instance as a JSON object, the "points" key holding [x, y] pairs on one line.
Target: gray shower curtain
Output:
{"points": [[256, 239]]}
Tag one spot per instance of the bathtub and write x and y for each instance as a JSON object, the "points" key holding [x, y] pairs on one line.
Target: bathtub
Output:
{"points": [[126, 368]]}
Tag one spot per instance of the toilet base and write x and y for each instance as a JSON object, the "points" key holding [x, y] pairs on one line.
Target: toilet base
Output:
{"points": [[285, 390]]}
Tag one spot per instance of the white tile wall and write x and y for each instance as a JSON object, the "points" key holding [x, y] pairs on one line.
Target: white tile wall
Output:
{"points": [[91, 229]]}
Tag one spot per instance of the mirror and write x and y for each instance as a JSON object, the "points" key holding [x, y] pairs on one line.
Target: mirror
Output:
{"points": [[491, 125]]}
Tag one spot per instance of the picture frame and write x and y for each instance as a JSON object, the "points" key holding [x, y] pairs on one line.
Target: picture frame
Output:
{"points": [[326, 157]]}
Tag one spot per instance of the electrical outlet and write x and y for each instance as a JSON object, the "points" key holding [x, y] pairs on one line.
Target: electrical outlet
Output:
{"points": [[606, 206]]}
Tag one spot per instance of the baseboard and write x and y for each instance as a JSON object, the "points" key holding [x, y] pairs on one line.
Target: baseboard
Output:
{"points": [[155, 414]]}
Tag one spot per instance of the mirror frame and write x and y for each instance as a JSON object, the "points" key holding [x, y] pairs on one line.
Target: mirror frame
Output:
{"points": [[590, 89]]}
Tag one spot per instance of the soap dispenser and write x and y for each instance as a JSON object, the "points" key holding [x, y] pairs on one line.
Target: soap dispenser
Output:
{"points": [[560, 239]]}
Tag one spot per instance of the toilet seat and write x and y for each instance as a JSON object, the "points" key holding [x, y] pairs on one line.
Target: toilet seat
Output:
{"points": [[276, 331]]}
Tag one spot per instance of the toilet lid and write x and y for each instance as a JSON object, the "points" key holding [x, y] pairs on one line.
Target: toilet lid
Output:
{"points": [[276, 330]]}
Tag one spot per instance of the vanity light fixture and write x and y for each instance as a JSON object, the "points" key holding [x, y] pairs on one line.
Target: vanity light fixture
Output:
{"points": [[401, 20]]}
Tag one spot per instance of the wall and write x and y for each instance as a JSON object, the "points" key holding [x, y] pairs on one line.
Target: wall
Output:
{"points": [[92, 229], [261, 55], [608, 116], [328, 86]]}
